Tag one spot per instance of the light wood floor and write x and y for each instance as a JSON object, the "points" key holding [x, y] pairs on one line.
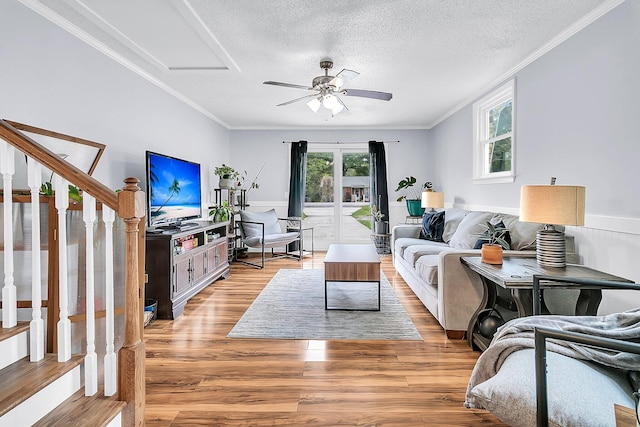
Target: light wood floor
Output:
{"points": [[197, 376]]}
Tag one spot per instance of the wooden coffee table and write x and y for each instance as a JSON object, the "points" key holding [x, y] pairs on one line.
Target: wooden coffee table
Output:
{"points": [[351, 263]]}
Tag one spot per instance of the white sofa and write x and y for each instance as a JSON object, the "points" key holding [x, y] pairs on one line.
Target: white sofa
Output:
{"points": [[449, 290]]}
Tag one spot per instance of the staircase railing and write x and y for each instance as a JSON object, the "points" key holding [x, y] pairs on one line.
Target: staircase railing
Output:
{"points": [[129, 205]]}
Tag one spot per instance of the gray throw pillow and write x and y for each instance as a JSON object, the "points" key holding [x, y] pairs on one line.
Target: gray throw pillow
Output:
{"points": [[452, 218], [470, 230]]}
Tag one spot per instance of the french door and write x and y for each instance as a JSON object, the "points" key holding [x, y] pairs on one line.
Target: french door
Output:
{"points": [[337, 194]]}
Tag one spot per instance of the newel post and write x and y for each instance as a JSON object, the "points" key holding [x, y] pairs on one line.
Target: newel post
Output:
{"points": [[131, 365]]}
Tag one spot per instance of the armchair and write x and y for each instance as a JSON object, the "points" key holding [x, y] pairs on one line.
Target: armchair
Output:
{"points": [[591, 364], [263, 230]]}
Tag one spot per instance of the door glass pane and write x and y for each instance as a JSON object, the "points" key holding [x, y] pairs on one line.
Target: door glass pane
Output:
{"points": [[356, 216], [319, 206]]}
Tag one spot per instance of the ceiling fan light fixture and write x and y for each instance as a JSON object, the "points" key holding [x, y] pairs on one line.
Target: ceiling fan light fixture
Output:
{"points": [[329, 102], [337, 109], [314, 104]]}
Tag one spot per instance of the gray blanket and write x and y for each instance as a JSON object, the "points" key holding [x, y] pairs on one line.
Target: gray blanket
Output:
{"points": [[518, 334]]}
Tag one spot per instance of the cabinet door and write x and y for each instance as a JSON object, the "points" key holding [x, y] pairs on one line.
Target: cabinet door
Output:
{"points": [[212, 259], [199, 266], [182, 275]]}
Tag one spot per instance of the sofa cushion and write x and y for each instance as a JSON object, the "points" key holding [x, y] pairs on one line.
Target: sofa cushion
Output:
{"points": [[452, 218], [427, 269], [413, 252], [470, 230], [404, 242], [580, 393], [432, 226]]}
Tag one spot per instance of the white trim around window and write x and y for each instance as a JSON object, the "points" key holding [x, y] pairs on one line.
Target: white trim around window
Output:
{"points": [[483, 141]]}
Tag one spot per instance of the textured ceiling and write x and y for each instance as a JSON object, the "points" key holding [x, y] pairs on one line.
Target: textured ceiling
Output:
{"points": [[432, 55]]}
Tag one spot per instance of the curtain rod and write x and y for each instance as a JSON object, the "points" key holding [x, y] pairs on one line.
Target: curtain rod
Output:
{"points": [[338, 142]]}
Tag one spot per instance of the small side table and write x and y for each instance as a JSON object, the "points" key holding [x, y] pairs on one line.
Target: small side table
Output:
{"points": [[514, 280], [306, 228], [382, 242]]}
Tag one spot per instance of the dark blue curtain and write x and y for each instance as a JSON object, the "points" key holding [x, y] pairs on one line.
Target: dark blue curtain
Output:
{"points": [[378, 178], [298, 178]]}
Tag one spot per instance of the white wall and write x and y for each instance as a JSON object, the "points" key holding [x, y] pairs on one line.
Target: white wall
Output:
{"points": [[51, 79], [576, 119]]}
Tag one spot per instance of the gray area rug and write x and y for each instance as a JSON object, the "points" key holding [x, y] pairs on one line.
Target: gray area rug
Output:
{"points": [[291, 306]]}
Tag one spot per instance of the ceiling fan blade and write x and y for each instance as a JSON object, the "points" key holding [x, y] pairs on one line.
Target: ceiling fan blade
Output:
{"points": [[296, 100], [384, 96], [343, 76], [287, 85]]}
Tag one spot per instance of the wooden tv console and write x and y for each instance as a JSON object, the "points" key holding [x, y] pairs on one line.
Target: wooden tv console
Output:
{"points": [[180, 263]]}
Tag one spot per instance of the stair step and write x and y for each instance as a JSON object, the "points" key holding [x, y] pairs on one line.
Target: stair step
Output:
{"points": [[14, 343], [84, 411], [23, 379], [10, 332]]}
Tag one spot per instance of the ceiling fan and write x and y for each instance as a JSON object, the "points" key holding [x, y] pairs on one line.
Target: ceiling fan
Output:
{"points": [[327, 88]]}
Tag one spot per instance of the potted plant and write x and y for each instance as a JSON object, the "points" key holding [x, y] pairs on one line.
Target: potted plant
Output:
{"points": [[413, 194], [492, 250], [379, 226], [221, 213], [228, 176]]}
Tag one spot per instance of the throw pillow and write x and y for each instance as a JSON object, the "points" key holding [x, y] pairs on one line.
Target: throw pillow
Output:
{"points": [[432, 226], [470, 229], [452, 219], [484, 239]]}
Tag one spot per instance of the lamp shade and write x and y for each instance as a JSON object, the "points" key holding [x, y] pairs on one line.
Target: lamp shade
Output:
{"points": [[432, 199], [552, 204]]}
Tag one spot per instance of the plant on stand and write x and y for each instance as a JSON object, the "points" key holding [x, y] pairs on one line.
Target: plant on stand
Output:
{"points": [[413, 194], [492, 250], [379, 226], [221, 213], [228, 176]]}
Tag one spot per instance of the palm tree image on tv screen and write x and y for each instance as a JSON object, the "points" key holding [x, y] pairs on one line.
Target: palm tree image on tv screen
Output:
{"points": [[174, 189]]}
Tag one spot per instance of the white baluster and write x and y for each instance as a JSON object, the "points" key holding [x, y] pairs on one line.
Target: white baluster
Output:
{"points": [[9, 301], [110, 360], [61, 187], [36, 327], [91, 358]]}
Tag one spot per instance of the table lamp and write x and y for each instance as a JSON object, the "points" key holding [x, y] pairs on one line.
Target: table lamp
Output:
{"points": [[432, 199], [552, 205]]}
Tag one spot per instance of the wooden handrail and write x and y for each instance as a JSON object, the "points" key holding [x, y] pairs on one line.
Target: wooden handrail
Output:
{"points": [[57, 165]]}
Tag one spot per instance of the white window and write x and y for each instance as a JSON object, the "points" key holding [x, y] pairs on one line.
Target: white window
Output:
{"points": [[493, 136]]}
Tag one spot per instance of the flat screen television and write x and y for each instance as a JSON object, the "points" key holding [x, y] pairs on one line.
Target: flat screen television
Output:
{"points": [[173, 191]]}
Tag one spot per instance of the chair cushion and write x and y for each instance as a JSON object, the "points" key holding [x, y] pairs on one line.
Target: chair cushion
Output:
{"points": [[268, 218], [272, 240], [580, 393]]}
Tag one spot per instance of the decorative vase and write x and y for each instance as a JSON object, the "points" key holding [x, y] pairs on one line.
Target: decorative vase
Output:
{"points": [[415, 207], [491, 254], [227, 182]]}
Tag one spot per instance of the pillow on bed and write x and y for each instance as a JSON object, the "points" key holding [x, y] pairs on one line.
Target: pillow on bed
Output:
{"points": [[580, 393]]}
